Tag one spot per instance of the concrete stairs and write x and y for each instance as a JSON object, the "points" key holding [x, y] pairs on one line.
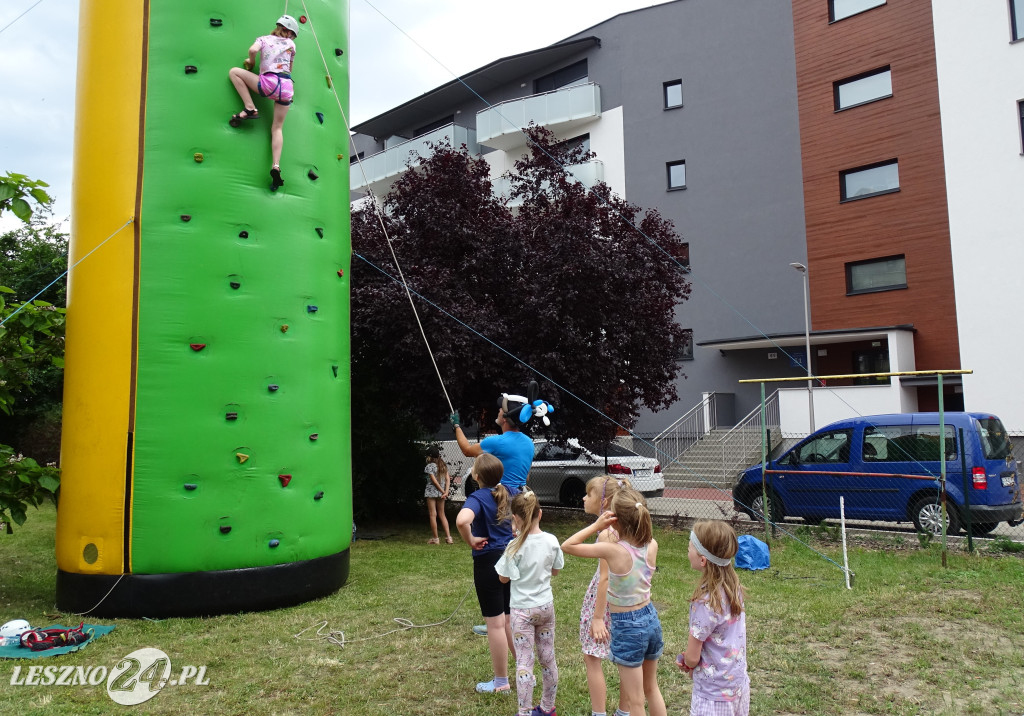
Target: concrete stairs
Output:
{"points": [[715, 459]]}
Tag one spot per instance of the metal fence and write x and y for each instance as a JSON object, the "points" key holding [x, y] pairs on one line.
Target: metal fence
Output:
{"points": [[894, 484]]}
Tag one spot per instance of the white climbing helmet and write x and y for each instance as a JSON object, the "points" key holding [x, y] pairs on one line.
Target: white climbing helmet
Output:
{"points": [[288, 22], [10, 633]]}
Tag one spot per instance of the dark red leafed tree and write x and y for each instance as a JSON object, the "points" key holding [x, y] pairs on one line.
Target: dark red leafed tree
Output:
{"points": [[565, 282]]}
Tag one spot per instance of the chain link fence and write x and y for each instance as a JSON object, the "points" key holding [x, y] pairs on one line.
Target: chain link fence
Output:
{"points": [[888, 476]]}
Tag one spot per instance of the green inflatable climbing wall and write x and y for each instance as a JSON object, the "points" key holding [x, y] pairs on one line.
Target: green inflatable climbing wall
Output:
{"points": [[215, 466]]}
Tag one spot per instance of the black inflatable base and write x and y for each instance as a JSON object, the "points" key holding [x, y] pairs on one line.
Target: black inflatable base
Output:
{"points": [[201, 594]]}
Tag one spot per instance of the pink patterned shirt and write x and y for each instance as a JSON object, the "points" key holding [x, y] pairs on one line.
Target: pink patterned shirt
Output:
{"points": [[721, 674], [276, 54]]}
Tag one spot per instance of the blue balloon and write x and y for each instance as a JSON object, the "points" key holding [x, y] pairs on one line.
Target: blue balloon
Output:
{"points": [[525, 414]]}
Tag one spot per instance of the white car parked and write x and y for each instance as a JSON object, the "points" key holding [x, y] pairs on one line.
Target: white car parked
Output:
{"points": [[560, 472]]}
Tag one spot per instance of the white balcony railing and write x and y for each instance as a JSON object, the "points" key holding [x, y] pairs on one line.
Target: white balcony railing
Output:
{"points": [[587, 173], [383, 167], [500, 126]]}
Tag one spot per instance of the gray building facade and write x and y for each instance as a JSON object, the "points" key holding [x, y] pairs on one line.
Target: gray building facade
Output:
{"points": [[697, 118]]}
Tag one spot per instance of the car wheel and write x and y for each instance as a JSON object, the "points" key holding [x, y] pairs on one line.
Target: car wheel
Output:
{"points": [[774, 511], [927, 514], [980, 529], [572, 493]]}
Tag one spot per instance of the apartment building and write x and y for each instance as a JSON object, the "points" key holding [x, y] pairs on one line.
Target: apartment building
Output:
{"points": [[782, 132]]}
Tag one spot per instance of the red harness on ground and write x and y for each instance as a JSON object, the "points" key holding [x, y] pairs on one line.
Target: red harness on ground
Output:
{"points": [[43, 639]]}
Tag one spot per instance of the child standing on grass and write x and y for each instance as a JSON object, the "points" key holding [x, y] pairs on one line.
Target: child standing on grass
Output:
{"points": [[594, 616], [483, 524], [529, 562], [438, 484], [636, 642], [716, 654]]}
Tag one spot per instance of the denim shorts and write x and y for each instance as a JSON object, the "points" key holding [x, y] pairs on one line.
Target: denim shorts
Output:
{"points": [[636, 636]]}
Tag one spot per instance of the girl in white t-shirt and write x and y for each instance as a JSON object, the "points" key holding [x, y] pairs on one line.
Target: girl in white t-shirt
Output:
{"points": [[277, 52], [529, 562]]}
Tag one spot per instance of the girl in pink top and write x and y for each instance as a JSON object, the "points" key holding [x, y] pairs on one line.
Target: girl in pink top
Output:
{"points": [[276, 51], [636, 642], [716, 654]]}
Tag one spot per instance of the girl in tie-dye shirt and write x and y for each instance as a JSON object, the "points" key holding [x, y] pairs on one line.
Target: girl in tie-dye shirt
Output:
{"points": [[716, 654]]}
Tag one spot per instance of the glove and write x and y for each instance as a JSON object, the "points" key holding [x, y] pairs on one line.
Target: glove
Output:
{"points": [[454, 418]]}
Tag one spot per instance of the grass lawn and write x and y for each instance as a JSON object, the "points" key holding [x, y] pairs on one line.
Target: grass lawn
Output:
{"points": [[910, 638]]}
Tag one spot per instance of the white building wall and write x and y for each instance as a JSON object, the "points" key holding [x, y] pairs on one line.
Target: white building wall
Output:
{"points": [[606, 140], [981, 79]]}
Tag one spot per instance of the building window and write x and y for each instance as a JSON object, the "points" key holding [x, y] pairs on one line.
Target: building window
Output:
{"points": [[1020, 111], [574, 74], [686, 345], [885, 274], [863, 88], [576, 144], [839, 9], [1017, 19], [355, 158], [673, 94], [870, 180], [676, 174], [682, 254]]}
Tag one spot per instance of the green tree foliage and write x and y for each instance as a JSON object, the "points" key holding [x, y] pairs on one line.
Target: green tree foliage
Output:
{"points": [[564, 282], [33, 255], [31, 341], [17, 190]]}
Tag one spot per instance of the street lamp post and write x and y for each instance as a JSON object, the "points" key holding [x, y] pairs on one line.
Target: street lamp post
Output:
{"points": [[807, 342]]}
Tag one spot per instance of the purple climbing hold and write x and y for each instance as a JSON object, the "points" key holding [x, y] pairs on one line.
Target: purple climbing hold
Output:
{"points": [[224, 529]]}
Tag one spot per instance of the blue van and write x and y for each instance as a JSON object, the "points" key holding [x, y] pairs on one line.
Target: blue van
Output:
{"points": [[886, 467]]}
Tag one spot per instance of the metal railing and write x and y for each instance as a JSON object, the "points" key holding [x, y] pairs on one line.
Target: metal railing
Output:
{"points": [[697, 422], [743, 441]]}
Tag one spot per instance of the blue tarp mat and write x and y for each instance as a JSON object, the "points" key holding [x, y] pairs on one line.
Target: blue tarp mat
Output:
{"points": [[20, 652]]}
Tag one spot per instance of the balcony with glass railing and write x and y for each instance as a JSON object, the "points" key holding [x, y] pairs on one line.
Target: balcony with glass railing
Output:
{"points": [[587, 173], [383, 168], [501, 125]]}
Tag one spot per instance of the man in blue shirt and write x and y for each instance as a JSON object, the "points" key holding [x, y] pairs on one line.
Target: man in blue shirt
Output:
{"points": [[512, 447]]}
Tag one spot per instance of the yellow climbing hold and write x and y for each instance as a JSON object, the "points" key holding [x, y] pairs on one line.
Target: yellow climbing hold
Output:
{"points": [[242, 457], [198, 156]]}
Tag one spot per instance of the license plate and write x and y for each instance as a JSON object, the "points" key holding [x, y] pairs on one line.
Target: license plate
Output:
{"points": [[1007, 480]]}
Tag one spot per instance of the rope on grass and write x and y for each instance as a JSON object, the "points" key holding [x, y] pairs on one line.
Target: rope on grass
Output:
{"points": [[338, 638]]}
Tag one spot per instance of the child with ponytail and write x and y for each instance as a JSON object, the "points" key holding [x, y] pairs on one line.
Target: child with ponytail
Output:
{"points": [[636, 642], [716, 654], [484, 525], [594, 616], [529, 562]]}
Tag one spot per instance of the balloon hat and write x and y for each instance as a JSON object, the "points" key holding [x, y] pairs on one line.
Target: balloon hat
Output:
{"points": [[519, 409]]}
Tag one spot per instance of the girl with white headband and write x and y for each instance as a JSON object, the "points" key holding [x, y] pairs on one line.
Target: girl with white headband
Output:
{"points": [[716, 654], [636, 641]]}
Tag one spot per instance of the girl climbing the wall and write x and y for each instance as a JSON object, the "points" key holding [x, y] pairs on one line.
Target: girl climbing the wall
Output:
{"points": [[488, 534], [276, 51], [636, 642], [529, 562], [438, 484], [594, 616]]}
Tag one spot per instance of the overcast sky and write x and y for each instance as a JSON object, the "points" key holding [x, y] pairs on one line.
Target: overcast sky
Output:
{"points": [[387, 68]]}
